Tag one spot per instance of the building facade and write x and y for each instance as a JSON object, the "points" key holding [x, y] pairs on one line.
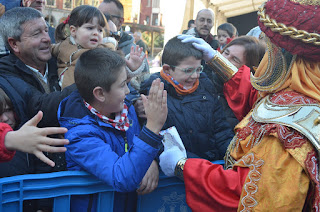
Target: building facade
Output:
{"points": [[150, 13], [57, 10]]}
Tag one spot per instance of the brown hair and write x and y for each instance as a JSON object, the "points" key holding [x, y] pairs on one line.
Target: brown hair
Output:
{"points": [[97, 67], [4, 100], [254, 50], [79, 16]]}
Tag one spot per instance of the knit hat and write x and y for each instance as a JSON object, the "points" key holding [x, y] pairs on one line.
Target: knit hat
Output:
{"points": [[293, 25]]}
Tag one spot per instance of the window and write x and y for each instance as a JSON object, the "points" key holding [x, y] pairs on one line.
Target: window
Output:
{"points": [[67, 4], [147, 20], [156, 4], [155, 20], [78, 3], [51, 3], [149, 3]]}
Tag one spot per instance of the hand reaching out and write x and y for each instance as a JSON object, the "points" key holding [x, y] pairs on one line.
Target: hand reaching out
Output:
{"points": [[155, 106], [136, 58], [31, 139]]}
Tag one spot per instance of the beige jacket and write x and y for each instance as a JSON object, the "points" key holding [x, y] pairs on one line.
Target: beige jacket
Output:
{"points": [[67, 54]]}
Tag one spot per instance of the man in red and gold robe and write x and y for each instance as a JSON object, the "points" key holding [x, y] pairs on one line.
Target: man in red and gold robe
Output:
{"points": [[272, 163]]}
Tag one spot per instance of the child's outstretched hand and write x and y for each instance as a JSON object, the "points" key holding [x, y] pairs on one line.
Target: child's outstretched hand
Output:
{"points": [[31, 139], [155, 106], [136, 58]]}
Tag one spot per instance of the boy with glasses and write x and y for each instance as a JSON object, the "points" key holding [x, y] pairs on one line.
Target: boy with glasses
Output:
{"points": [[192, 107]]}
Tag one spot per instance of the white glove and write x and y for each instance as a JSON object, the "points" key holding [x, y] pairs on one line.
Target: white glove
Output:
{"points": [[169, 159], [174, 150], [207, 51]]}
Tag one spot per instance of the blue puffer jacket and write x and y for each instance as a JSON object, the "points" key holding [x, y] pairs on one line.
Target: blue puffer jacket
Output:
{"points": [[198, 117], [98, 148]]}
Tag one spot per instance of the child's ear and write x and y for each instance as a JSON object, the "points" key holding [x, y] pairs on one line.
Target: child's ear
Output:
{"points": [[99, 94], [73, 30], [166, 68]]}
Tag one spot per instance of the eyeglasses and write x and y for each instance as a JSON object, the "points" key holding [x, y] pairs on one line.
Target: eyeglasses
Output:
{"points": [[108, 17], [190, 71]]}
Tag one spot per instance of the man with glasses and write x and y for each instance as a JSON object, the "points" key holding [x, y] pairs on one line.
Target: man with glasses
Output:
{"points": [[192, 107], [113, 10]]}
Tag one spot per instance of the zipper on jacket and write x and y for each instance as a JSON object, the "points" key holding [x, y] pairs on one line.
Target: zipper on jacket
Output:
{"points": [[125, 143], [124, 136]]}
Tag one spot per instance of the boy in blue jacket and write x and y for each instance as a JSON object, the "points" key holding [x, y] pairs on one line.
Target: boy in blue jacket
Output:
{"points": [[104, 133]]}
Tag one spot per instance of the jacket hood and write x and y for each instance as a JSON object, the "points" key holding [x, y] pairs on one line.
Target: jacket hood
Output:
{"points": [[73, 112], [125, 40], [15, 90]]}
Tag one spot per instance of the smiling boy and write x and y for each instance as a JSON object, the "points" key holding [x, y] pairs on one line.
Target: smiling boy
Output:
{"points": [[192, 107], [104, 134]]}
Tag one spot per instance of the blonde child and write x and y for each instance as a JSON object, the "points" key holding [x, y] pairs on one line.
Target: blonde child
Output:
{"points": [[81, 31], [226, 33]]}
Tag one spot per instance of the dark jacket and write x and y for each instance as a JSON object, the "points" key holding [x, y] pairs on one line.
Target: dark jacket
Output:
{"points": [[125, 42], [143, 45], [216, 80], [210, 40], [97, 147], [218, 84], [28, 97], [15, 90], [198, 117], [14, 71]]}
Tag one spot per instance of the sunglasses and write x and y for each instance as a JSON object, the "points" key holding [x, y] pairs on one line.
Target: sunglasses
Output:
{"points": [[110, 17]]}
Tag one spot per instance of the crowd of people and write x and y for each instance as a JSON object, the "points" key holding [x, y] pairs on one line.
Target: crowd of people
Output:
{"points": [[72, 103]]}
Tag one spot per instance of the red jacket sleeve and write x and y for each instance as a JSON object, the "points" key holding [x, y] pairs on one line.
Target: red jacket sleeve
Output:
{"points": [[211, 188], [5, 155], [239, 93]]}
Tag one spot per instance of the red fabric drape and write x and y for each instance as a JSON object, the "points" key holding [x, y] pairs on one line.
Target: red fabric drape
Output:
{"points": [[211, 188]]}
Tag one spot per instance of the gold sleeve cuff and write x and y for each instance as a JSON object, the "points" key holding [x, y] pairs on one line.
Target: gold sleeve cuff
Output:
{"points": [[179, 168], [221, 66]]}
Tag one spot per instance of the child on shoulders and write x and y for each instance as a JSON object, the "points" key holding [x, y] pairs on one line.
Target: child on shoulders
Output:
{"points": [[81, 31]]}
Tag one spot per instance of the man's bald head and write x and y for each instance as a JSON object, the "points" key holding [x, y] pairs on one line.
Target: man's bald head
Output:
{"points": [[204, 22]]}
